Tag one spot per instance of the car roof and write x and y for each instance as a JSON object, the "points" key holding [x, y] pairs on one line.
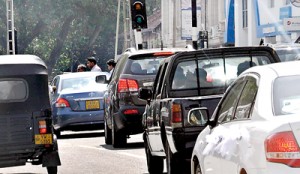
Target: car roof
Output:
{"points": [[284, 46], [132, 51], [225, 50], [281, 69], [82, 74], [21, 59]]}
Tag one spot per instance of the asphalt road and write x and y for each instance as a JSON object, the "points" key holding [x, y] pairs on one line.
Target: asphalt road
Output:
{"points": [[86, 153]]}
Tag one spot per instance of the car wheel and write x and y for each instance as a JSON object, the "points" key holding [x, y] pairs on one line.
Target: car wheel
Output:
{"points": [[52, 170], [118, 138], [173, 164], [57, 133], [198, 169], [107, 133], [155, 164]]}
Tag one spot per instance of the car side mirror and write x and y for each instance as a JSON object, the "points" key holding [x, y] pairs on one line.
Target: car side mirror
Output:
{"points": [[145, 94], [101, 79], [198, 116]]}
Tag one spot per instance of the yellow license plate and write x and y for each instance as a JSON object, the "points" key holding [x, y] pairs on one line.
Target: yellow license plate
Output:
{"points": [[43, 139], [92, 104]]}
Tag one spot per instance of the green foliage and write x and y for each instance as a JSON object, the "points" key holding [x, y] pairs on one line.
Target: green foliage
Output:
{"points": [[65, 33]]}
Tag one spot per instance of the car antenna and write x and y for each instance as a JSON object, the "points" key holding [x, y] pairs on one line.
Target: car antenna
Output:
{"points": [[261, 42]]}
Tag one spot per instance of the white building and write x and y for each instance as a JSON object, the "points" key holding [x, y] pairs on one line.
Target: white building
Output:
{"points": [[177, 21], [274, 21], [232, 22]]}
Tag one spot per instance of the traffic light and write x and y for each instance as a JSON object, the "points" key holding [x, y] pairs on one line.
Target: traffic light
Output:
{"points": [[138, 14]]}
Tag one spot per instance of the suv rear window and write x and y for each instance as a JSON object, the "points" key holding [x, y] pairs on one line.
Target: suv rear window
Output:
{"points": [[13, 90], [212, 76], [143, 66]]}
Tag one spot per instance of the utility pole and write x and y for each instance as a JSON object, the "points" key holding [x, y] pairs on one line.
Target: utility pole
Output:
{"points": [[10, 27], [125, 26], [194, 24], [117, 29]]}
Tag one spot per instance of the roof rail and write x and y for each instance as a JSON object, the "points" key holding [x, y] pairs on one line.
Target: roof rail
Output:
{"points": [[190, 47]]}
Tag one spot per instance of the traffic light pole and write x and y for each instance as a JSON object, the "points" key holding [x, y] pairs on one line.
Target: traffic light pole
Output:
{"points": [[117, 30], [138, 39], [194, 24]]}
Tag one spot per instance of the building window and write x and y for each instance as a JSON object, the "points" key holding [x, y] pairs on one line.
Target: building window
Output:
{"points": [[245, 13], [271, 3]]}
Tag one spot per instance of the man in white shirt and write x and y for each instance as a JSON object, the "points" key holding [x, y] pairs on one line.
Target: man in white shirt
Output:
{"points": [[92, 64]]}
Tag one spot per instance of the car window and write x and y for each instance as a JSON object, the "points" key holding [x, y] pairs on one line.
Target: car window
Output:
{"points": [[119, 68], [286, 98], [81, 83], [247, 98], [147, 65], [214, 74], [228, 104], [161, 78], [288, 53], [13, 90], [184, 78]]}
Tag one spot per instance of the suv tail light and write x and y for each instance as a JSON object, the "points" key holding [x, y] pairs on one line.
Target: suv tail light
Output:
{"points": [[128, 85], [176, 115], [131, 111], [42, 127], [62, 103], [282, 148]]}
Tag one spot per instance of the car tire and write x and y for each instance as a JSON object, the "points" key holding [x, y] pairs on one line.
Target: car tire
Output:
{"points": [[173, 162], [107, 133], [52, 170], [155, 164], [118, 138]]}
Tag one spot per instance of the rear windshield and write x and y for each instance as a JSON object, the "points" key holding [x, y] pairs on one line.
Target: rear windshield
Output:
{"points": [[81, 83], [13, 90], [286, 98], [288, 54], [212, 76], [143, 66]]}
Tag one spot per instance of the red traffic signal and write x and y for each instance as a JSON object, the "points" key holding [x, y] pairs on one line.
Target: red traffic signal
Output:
{"points": [[138, 14]]}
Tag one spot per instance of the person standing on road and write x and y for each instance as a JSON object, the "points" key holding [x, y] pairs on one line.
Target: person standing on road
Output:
{"points": [[92, 64], [111, 65]]}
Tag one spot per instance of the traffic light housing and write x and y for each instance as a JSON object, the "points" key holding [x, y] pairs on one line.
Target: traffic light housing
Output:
{"points": [[138, 14]]}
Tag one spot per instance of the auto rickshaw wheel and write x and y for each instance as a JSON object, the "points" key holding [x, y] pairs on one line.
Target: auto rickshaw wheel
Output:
{"points": [[52, 170], [57, 133]]}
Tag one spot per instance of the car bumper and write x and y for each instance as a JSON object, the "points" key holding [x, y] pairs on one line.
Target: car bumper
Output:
{"points": [[131, 123], [273, 168], [67, 118]]}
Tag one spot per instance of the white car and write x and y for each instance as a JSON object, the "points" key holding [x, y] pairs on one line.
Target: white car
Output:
{"points": [[256, 127]]}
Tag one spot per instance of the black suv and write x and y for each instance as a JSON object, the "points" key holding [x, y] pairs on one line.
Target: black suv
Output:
{"points": [[123, 107]]}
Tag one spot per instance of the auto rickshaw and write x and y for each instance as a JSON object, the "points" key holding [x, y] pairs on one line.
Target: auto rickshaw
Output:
{"points": [[26, 132]]}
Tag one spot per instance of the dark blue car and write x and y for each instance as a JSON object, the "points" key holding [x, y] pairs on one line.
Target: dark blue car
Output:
{"points": [[77, 101]]}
